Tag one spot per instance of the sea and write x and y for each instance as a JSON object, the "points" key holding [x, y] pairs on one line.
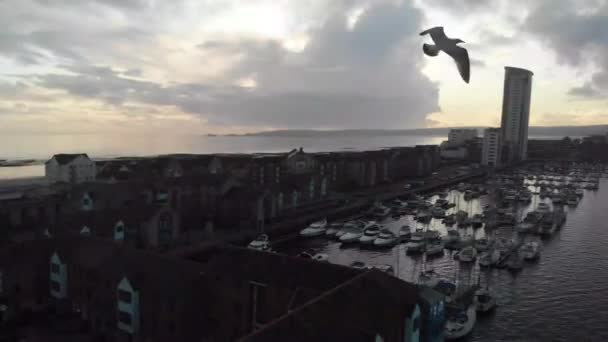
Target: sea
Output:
{"points": [[561, 297], [42, 147]]}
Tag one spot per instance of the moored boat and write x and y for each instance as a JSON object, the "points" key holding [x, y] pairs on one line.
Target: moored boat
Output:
{"points": [[386, 238], [261, 243], [460, 323], [314, 229]]}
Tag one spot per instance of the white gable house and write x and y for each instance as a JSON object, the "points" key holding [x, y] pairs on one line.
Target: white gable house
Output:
{"points": [[70, 168]]}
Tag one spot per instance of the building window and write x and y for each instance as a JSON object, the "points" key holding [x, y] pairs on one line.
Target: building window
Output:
{"points": [[124, 317], [55, 286], [124, 296]]}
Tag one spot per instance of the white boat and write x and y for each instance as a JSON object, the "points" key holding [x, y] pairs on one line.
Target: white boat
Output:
{"points": [[437, 212], [260, 243], [385, 268], [515, 262], [543, 207], [358, 265], [428, 278], [484, 301], [416, 244], [332, 229], [467, 254], [369, 235], [579, 192], [460, 324], [524, 227], [489, 258], [349, 226], [321, 257], [482, 244], [477, 221], [314, 229], [530, 250], [405, 233], [386, 238], [434, 248], [351, 235], [572, 201]]}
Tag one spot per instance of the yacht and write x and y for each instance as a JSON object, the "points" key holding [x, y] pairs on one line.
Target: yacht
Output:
{"points": [[369, 235], [525, 227], [332, 229], [423, 216], [484, 301], [385, 268], [467, 254], [547, 228], [416, 244], [428, 278], [460, 323], [482, 244], [351, 235], [438, 212], [260, 243], [573, 201], [449, 220], [405, 233], [434, 247], [386, 238], [530, 250], [515, 263], [314, 229], [349, 226], [477, 221], [489, 258], [321, 257], [543, 207], [358, 265]]}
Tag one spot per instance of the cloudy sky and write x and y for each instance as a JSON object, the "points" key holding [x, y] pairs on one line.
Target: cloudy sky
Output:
{"points": [[201, 66]]}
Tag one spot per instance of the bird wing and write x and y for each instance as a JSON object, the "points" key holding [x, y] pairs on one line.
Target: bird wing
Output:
{"points": [[461, 57], [436, 33]]}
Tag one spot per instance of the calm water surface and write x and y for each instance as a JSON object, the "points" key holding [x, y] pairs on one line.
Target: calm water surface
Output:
{"points": [[561, 297]]}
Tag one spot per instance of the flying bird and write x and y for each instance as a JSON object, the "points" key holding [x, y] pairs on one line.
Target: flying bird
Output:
{"points": [[449, 46]]}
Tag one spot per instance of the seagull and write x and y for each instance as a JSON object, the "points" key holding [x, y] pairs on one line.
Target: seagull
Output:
{"points": [[449, 46]]}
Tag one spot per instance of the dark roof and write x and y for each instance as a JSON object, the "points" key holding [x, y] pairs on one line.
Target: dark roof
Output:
{"points": [[102, 223], [287, 271], [372, 302], [64, 158]]}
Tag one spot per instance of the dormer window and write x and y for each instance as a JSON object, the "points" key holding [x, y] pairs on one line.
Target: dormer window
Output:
{"points": [[58, 277], [87, 202], [119, 231], [85, 231]]}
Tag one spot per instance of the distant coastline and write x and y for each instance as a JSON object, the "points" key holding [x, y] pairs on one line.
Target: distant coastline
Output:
{"points": [[539, 131]]}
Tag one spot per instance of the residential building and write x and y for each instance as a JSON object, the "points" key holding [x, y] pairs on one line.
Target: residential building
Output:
{"points": [[492, 147], [457, 137], [70, 168], [516, 113], [219, 293], [458, 153]]}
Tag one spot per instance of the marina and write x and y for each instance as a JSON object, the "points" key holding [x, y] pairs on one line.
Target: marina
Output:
{"points": [[514, 241]]}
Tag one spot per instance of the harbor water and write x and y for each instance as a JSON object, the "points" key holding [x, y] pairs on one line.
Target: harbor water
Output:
{"points": [[561, 297]]}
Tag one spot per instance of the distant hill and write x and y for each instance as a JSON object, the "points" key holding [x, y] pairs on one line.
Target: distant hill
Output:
{"points": [[561, 131]]}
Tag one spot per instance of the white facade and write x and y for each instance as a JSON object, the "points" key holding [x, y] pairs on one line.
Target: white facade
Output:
{"points": [[516, 112], [457, 137], [70, 168], [491, 149]]}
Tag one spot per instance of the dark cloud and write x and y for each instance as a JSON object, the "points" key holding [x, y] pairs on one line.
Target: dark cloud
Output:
{"points": [[578, 33], [358, 78], [585, 91]]}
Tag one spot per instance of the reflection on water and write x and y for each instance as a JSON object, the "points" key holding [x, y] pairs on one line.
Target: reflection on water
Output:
{"points": [[561, 297]]}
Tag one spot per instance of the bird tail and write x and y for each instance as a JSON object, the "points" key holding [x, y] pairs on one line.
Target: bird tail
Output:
{"points": [[430, 50]]}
